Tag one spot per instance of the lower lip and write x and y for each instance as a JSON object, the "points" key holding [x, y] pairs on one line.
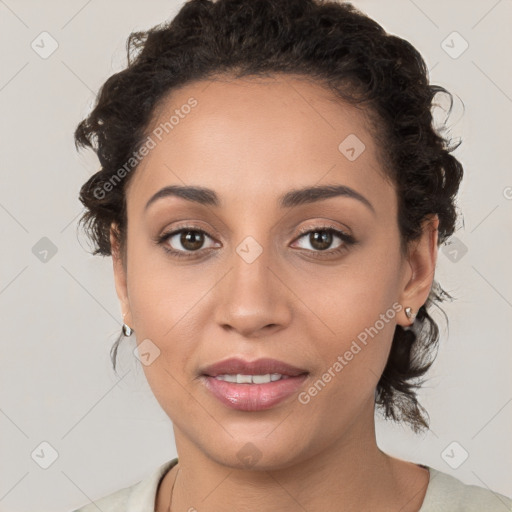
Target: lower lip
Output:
{"points": [[253, 397]]}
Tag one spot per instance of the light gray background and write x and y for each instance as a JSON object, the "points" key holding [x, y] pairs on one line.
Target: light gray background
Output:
{"points": [[59, 318]]}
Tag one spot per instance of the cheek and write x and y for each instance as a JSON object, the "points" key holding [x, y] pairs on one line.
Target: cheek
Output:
{"points": [[162, 293], [351, 296], [343, 387], [170, 307], [356, 309]]}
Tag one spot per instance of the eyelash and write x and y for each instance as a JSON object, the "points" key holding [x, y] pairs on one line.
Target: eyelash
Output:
{"points": [[347, 239]]}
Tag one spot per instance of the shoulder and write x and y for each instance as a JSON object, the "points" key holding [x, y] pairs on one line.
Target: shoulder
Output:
{"points": [[447, 493], [134, 498]]}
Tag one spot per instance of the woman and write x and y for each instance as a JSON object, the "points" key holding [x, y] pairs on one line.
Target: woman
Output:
{"points": [[273, 195]]}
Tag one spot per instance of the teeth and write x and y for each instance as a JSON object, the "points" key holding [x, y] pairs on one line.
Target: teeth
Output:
{"points": [[252, 379]]}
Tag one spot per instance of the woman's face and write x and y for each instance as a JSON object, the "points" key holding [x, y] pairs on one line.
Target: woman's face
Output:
{"points": [[253, 286]]}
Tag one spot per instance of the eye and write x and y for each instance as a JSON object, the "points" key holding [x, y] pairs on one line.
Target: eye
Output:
{"points": [[187, 240], [183, 241], [320, 238]]}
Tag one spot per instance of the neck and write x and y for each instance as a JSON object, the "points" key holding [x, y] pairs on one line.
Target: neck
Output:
{"points": [[352, 473]]}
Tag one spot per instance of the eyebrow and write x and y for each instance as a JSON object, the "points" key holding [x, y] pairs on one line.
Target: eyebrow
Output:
{"points": [[293, 198]]}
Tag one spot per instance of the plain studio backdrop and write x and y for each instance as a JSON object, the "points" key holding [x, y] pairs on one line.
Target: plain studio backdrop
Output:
{"points": [[73, 430]]}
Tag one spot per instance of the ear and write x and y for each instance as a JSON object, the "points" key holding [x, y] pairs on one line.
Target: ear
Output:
{"points": [[421, 258], [120, 276]]}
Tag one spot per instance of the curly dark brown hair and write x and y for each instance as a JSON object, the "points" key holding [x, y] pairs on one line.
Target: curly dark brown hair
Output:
{"points": [[333, 44]]}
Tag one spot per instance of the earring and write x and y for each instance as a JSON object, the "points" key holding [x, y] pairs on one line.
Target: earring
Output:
{"points": [[127, 330], [409, 313]]}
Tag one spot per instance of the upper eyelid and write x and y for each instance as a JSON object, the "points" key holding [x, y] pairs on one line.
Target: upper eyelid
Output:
{"points": [[302, 231]]}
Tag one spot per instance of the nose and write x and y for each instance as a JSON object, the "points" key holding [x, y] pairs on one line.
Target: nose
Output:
{"points": [[253, 298]]}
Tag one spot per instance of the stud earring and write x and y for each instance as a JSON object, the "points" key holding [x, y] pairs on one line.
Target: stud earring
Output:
{"points": [[127, 330], [409, 313]]}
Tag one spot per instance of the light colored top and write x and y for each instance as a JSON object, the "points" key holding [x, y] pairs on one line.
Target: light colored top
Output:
{"points": [[445, 493]]}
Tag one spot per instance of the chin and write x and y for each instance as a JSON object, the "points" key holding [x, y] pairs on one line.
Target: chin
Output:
{"points": [[257, 452]]}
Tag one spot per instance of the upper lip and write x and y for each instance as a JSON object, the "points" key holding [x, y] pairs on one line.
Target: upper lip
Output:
{"points": [[262, 366]]}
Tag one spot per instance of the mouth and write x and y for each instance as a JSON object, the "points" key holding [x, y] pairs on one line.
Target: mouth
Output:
{"points": [[264, 366], [252, 385]]}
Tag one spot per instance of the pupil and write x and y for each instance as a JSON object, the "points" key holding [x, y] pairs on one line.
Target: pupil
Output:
{"points": [[321, 242], [192, 239]]}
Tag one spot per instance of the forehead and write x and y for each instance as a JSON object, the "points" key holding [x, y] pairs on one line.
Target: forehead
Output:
{"points": [[257, 138]]}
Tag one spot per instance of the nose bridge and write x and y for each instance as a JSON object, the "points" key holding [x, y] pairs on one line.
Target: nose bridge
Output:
{"points": [[251, 296], [251, 262], [252, 247]]}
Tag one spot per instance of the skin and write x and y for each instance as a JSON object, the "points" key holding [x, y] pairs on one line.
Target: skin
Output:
{"points": [[251, 140]]}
